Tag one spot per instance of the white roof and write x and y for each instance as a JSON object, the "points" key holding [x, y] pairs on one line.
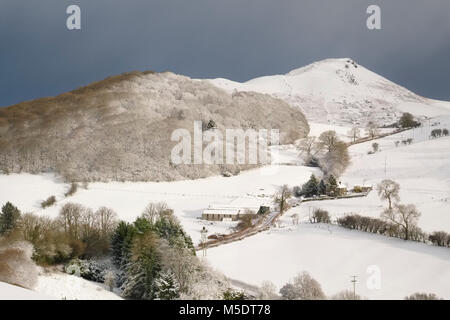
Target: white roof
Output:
{"points": [[222, 211]]}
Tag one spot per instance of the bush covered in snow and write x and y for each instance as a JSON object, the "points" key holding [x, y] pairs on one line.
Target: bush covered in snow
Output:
{"points": [[88, 269], [16, 265], [302, 287]]}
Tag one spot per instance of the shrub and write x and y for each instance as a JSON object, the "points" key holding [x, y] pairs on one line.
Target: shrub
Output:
{"points": [[346, 295], [49, 202], [440, 238], [422, 296], [234, 295], [375, 147], [72, 190], [407, 121], [87, 269], [16, 266], [303, 287], [245, 221], [321, 216]]}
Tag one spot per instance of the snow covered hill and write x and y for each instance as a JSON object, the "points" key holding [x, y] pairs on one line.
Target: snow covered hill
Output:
{"points": [[422, 169], [10, 292], [339, 91], [332, 254]]}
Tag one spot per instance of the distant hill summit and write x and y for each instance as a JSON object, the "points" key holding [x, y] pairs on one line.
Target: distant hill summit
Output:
{"points": [[341, 92], [120, 128]]}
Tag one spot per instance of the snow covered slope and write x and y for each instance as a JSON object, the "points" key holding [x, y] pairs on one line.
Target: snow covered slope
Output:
{"points": [[339, 91], [188, 198], [10, 292], [69, 287], [332, 255], [422, 169]]}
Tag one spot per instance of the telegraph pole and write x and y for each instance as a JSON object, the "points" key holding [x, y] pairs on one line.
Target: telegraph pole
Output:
{"points": [[204, 232], [354, 286]]}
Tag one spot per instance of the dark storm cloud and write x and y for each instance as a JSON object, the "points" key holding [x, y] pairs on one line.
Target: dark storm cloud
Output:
{"points": [[236, 39]]}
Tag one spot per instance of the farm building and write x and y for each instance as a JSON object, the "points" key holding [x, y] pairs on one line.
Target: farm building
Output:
{"points": [[362, 189], [219, 214], [341, 190], [234, 208]]}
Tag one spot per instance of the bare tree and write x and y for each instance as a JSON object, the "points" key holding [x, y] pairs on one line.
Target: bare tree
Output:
{"points": [[70, 216], [388, 190], [372, 129], [281, 197], [403, 216], [309, 146], [154, 210], [354, 133], [328, 139], [107, 220]]}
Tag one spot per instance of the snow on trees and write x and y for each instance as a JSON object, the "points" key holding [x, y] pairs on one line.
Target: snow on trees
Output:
{"points": [[267, 291], [16, 265], [328, 152], [281, 198], [388, 190], [143, 268], [167, 286], [303, 287], [346, 295], [110, 280]]}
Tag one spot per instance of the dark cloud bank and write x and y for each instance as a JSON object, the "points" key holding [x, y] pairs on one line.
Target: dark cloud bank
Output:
{"points": [[235, 39]]}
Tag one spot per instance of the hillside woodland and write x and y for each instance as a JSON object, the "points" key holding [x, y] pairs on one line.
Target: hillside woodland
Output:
{"points": [[120, 128]]}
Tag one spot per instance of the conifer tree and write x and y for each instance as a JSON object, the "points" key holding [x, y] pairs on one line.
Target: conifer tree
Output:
{"points": [[332, 185], [8, 218], [322, 189], [167, 287], [143, 268], [311, 188]]}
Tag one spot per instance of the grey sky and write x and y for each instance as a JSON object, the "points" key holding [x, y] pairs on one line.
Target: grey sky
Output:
{"points": [[235, 39]]}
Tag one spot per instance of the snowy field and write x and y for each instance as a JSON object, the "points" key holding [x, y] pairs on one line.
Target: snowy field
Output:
{"points": [[68, 287], [332, 255], [188, 198], [58, 286], [10, 292]]}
